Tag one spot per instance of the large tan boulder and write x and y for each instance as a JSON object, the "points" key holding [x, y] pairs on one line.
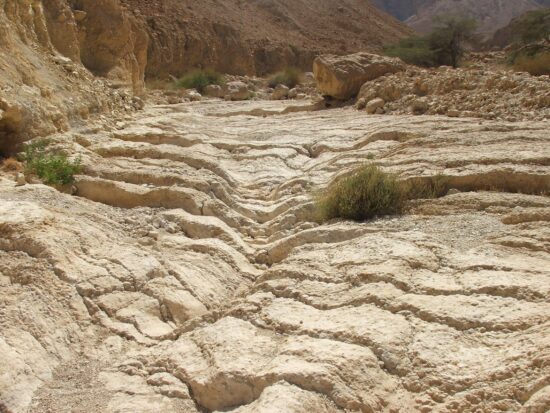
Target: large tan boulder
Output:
{"points": [[341, 77]]}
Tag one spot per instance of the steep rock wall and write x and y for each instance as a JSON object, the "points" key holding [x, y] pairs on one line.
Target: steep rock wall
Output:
{"points": [[43, 85]]}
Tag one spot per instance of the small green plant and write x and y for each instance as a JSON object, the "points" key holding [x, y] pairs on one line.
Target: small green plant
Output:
{"points": [[199, 79], [369, 192], [289, 77], [365, 194], [53, 168]]}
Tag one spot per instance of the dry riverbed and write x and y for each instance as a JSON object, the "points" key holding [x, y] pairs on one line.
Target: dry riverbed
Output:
{"points": [[188, 274]]}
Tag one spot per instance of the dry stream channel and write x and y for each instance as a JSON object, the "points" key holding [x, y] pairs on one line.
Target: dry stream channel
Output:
{"points": [[187, 274]]}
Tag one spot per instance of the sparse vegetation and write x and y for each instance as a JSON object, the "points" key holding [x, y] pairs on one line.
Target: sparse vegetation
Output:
{"points": [[199, 79], [537, 64], [370, 192], [426, 187], [289, 77], [366, 193], [53, 168], [530, 51], [444, 46]]}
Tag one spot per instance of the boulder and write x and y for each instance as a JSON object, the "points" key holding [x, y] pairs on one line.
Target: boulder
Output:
{"points": [[213, 91], [375, 104], [361, 104], [419, 106], [280, 92], [237, 91], [341, 77], [292, 93], [192, 95]]}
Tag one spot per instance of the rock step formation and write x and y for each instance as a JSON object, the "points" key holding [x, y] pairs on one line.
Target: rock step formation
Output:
{"points": [[188, 274]]}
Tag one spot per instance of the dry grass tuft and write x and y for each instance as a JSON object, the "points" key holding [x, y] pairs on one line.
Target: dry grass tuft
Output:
{"points": [[536, 65], [12, 165], [369, 192]]}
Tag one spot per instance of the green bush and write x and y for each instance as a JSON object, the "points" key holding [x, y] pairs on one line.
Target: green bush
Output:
{"points": [[199, 79], [52, 168], [365, 194], [426, 187], [289, 77], [533, 58], [370, 192]]}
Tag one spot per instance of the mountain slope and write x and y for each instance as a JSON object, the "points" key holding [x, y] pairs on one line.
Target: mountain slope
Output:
{"points": [[491, 14], [258, 37], [401, 9]]}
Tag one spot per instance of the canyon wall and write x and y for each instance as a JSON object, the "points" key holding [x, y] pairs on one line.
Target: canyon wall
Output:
{"points": [[62, 60], [258, 37], [51, 51]]}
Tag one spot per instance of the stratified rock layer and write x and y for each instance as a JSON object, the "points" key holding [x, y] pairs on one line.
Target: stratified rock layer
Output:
{"points": [[188, 274]]}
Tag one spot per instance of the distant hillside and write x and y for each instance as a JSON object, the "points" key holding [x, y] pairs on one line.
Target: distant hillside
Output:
{"points": [[491, 14], [537, 22]]}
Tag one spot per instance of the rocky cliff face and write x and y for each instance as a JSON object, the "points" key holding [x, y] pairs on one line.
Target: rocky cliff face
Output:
{"points": [[50, 51]]}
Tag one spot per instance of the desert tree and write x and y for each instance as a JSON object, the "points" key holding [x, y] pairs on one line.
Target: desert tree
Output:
{"points": [[451, 37]]}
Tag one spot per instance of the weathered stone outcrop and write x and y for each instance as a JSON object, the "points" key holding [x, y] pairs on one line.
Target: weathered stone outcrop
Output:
{"points": [[474, 92], [113, 43], [341, 77], [43, 85]]}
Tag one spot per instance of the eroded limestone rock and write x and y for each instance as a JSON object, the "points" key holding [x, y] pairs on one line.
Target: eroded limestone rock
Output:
{"points": [[341, 77], [189, 273]]}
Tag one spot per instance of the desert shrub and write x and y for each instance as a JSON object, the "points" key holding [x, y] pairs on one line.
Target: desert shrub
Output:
{"points": [[537, 65], [365, 194], [289, 77], [369, 192], [445, 45], [53, 168], [199, 79]]}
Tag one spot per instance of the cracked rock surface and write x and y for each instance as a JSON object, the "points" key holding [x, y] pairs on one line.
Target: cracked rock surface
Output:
{"points": [[188, 274]]}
